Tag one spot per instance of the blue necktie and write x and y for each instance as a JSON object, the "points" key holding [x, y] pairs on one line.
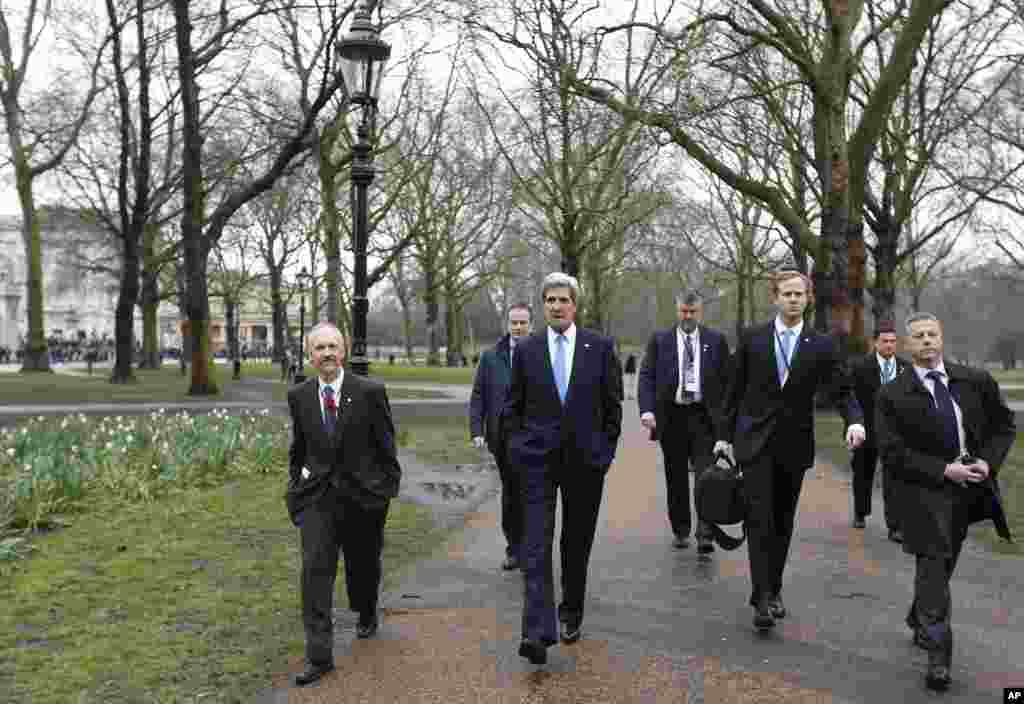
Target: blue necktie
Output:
{"points": [[330, 410], [560, 381], [782, 360], [944, 402], [888, 371]]}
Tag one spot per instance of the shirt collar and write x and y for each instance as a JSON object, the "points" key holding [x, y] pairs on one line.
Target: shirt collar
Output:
{"points": [[922, 372], [335, 385], [683, 333], [570, 334], [780, 327], [882, 360]]}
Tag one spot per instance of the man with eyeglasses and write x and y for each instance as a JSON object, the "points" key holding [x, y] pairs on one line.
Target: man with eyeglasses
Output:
{"points": [[343, 472]]}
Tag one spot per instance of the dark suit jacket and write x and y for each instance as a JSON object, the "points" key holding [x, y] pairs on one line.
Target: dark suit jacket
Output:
{"points": [[867, 380], [758, 411], [659, 373], [587, 428], [909, 430], [360, 458], [493, 377]]}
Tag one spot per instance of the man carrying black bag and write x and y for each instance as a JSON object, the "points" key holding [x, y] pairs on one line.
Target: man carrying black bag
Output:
{"points": [[777, 369]]}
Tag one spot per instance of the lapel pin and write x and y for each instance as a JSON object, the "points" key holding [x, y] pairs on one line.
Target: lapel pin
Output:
{"points": [[586, 345]]}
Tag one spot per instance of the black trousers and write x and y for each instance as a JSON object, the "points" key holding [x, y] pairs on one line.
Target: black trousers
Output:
{"points": [[581, 489], [773, 492], [863, 464], [686, 437], [338, 522], [932, 605], [511, 502]]}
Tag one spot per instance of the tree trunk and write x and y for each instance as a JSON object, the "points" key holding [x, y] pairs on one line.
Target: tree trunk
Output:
{"points": [[433, 337], [883, 293], [124, 320], [149, 298], [193, 214], [278, 314], [453, 340], [36, 355]]}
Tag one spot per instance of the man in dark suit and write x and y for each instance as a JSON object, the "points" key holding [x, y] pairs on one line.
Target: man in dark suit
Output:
{"points": [[944, 430], [563, 418], [490, 388], [870, 372], [343, 472], [768, 415], [682, 380]]}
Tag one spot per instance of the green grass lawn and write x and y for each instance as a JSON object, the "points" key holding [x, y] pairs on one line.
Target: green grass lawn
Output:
{"points": [[831, 444], [153, 386], [1013, 376], [190, 598], [384, 372]]}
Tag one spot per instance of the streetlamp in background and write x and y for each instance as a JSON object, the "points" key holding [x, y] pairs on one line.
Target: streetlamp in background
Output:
{"points": [[362, 55], [300, 373]]}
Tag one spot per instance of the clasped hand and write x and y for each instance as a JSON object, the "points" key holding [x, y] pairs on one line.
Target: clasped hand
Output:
{"points": [[964, 474]]}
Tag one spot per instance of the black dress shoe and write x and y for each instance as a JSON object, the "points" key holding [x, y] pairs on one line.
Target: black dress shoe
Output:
{"points": [[858, 522], [763, 619], [367, 625], [777, 608], [571, 631], [938, 677], [705, 546], [510, 563], [533, 651], [896, 535], [680, 541], [313, 673]]}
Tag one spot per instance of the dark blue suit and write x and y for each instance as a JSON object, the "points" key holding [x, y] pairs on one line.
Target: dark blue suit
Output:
{"points": [[561, 449], [686, 432], [490, 389], [771, 428]]}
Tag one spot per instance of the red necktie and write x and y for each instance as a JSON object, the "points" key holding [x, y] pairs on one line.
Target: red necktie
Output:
{"points": [[330, 409]]}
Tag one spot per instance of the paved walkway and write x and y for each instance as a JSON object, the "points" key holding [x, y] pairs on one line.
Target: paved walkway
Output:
{"points": [[662, 626]]}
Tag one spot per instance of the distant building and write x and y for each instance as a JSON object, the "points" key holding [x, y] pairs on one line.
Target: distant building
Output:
{"points": [[81, 298]]}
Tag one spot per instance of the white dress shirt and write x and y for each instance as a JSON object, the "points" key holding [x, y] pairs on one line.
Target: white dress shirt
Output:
{"points": [[780, 328], [882, 361], [930, 385], [570, 350], [336, 386], [680, 348]]}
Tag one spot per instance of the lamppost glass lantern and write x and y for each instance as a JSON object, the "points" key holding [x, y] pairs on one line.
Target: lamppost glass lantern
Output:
{"points": [[362, 55]]}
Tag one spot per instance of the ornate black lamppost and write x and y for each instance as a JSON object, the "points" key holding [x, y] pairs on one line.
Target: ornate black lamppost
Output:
{"points": [[300, 374], [362, 55]]}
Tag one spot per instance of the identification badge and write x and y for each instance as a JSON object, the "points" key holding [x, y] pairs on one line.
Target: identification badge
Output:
{"points": [[690, 380]]}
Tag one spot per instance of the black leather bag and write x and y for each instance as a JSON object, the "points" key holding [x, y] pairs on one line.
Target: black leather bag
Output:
{"points": [[721, 501]]}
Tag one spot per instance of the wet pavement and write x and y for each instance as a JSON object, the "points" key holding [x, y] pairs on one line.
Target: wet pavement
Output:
{"points": [[664, 626]]}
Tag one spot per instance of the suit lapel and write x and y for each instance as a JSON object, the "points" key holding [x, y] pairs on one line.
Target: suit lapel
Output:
{"points": [[705, 347], [316, 416], [549, 369], [673, 356], [767, 338], [582, 348], [345, 394]]}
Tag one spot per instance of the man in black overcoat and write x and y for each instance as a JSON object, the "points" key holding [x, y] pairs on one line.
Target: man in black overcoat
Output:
{"points": [[944, 430], [486, 403]]}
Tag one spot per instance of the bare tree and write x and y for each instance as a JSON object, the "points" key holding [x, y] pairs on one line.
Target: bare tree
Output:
{"points": [[41, 128]]}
